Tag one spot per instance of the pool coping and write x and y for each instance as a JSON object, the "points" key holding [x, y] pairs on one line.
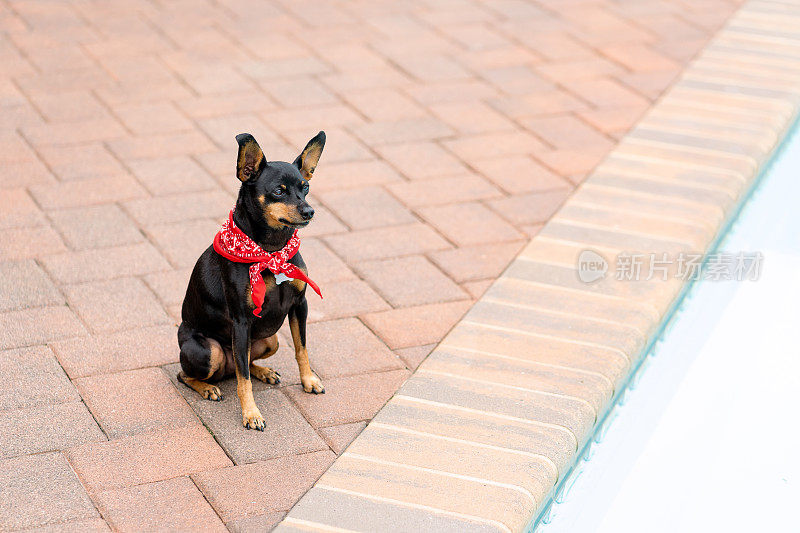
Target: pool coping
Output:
{"points": [[483, 432]]}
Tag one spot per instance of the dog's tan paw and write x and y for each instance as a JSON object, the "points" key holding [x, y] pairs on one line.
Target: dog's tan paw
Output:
{"points": [[312, 384], [265, 374], [212, 393], [253, 420]]}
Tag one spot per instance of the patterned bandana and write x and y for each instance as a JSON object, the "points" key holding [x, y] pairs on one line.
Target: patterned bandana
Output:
{"points": [[231, 243]]}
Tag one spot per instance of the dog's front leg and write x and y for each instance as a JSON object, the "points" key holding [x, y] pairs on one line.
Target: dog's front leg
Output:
{"points": [[251, 416], [297, 323]]}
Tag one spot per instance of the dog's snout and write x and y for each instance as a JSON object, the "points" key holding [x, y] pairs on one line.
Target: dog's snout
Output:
{"points": [[306, 211]]}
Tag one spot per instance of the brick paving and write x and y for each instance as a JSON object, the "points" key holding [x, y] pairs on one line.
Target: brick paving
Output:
{"points": [[455, 130]]}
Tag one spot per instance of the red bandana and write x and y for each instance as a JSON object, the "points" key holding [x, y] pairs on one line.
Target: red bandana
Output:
{"points": [[231, 243]]}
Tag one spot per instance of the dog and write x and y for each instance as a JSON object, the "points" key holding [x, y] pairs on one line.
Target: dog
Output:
{"points": [[243, 287]]}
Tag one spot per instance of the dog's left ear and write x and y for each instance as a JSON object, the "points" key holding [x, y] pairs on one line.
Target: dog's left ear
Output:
{"points": [[307, 161], [250, 161]]}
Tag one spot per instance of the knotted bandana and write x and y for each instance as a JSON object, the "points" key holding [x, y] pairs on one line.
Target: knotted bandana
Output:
{"points": [[232, 243]]}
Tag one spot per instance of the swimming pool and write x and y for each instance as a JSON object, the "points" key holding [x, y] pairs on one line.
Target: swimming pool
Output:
{"points": [[704, 437]]}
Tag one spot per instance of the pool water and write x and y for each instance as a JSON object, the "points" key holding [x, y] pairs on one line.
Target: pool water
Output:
{"points": [[705, 438]]}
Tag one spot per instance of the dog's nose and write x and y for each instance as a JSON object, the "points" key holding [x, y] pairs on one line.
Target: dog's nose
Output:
{"points": [[306, 212]]}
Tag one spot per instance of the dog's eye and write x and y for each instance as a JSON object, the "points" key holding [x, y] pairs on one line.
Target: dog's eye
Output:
{"points": [[277, 192]]}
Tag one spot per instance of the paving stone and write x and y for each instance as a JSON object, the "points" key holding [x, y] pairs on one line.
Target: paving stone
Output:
{"points": [[135, 401], [567, 132], [154, 146], [41, 489], [252, 490], [607, 93], [171, 175], [95, 227], [349, 174], [80, 162], [421, 160], [287, 432], [345, 347], [517, 174], [37, 378], [22, 243], [146, 458], [411, 280], [46, 428], [340, 147], [367, 208], [472, 118], [52, 323], [23, 284], [334, 115], [462, 188], [381, 243], [152, 118], [402, 131], [170, 286], [638, 57], [17, 209], [116, 305], [530, 208], [449, 91], [71, 133], [69, 107], [92, 525], [343, 299], [173, 504], [384, 104], [184, 242], [476, 262], [87, 192], [298, 93], [116, 352], [414, 326], [177, 208], [324, 266], [347, 399], [324, 222], [414, 355], [531, 105], [339, 437], [104, 263], [255, 524], [493, 145], [469, 223]]}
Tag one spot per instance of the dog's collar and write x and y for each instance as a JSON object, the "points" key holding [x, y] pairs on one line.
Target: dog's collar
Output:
{"points": [[233, 244]]}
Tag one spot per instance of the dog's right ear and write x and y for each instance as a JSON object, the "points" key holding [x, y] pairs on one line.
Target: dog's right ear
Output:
{"points": [[251, 159]]}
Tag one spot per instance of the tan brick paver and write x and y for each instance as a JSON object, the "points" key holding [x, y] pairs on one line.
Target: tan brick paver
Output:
{"points": [[454, 132]]}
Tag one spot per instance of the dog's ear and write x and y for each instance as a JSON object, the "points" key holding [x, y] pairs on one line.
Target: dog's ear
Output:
{"points": [[251, 160], [307, 161]]}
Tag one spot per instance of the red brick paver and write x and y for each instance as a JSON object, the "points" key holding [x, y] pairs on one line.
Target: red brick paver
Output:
{"points": [[454, 132]]}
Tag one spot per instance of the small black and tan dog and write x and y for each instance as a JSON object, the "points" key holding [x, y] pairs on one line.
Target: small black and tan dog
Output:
{"points": [[220, 335]]}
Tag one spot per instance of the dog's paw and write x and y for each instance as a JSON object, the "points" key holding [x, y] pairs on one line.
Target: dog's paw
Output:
{"points": [[253, 420], [265, 374], [312, 384], [212, 393]]}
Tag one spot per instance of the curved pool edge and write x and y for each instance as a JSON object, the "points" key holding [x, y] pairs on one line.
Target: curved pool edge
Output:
{"points": [[485, 431]]}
